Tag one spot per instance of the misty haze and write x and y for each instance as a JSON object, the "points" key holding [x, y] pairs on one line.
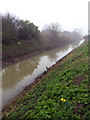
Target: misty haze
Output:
{"points": [[44, 60]]}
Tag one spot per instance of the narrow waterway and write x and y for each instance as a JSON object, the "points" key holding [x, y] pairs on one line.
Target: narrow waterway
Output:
{"points": [[16, 76]]}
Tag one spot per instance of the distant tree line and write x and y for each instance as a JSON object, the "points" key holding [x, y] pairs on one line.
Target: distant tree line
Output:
{"points": [[14, 29], [55, 33]]}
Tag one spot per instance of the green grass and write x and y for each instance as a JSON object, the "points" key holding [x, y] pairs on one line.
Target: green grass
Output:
{"points": [[16, 50], [67, 79]]}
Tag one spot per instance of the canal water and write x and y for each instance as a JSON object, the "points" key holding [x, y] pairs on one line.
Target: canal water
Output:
{"points": [[16, 76]]}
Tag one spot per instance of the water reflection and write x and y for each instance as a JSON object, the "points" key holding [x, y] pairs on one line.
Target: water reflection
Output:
{"points": [[19, 71], [14, 73], [20, 74]]}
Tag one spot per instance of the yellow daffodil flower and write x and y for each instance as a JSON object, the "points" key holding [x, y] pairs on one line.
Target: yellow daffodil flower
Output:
{"points": [[63, 100]]}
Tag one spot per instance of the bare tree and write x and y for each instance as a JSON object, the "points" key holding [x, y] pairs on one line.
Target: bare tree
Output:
{"points": [[53, 26]]}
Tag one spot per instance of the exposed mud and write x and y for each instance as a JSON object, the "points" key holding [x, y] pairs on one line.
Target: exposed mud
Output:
{"points": [[78, 80]]}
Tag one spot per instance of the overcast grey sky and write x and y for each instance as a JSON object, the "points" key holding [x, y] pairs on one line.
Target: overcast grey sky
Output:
{"points": [[69, 14]]}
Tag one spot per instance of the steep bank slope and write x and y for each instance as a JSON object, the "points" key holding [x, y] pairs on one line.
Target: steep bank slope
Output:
{"points": [[60, 94]]}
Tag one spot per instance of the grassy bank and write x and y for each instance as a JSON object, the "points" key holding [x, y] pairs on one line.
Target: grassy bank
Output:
{"points": [[60, 94], [16, 51], [26, 48]]}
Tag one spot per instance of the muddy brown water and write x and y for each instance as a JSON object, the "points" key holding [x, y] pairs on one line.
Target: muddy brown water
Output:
{"points": [[16, 76]]}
